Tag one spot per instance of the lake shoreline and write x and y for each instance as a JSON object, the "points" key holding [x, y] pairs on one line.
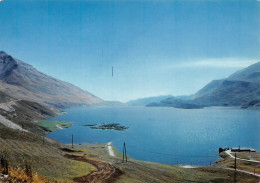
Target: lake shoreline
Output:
{"points": [[94, 115], [110, 150]]}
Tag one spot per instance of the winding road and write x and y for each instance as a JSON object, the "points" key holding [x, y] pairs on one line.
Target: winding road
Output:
{"points": [[228, 152], [105, 172]]}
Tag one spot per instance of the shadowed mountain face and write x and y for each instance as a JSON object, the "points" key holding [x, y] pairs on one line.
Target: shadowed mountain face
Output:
{"points": [[22, 81], [240, 89]]}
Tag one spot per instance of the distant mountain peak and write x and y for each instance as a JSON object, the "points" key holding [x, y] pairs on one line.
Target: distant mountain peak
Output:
{"points": [[244, 73], [2, 52], [4, 55], [7, 64]]}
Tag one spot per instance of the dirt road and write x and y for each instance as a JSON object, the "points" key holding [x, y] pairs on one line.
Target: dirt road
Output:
{"points": [[105, 172]]}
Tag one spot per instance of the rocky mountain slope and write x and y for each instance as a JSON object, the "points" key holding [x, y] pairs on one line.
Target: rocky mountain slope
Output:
{"points": [[22, 114], [240, 89], [22, 81]]}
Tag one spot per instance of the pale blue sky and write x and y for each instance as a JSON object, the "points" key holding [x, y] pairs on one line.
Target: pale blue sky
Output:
{"points": [[156, 48]]}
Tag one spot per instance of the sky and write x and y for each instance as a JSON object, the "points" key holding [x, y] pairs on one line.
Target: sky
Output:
{"points": [[155, 47]]}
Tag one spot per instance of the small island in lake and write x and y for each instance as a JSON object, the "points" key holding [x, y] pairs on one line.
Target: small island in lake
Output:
{"points": [[103, 126]]}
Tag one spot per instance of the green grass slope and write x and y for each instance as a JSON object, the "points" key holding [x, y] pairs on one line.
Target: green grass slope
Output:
{"points": [[142, 172], [43, 154]]}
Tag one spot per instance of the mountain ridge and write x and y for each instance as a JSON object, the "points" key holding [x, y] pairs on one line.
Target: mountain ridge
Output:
{"points": [[23, 81], [240, 89], [146, 100]]}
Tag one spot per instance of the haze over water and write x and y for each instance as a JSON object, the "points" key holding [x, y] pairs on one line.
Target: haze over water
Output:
{"points": [[165, 135]]}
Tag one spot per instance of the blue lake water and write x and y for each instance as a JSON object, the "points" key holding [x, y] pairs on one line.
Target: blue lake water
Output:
{"points": [[165, 135]]}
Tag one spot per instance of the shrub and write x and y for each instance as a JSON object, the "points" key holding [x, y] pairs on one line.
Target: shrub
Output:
{"points": [[4, 163]]}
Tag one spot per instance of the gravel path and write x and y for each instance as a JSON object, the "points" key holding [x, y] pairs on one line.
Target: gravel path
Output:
{"points": [[228, 152], [110, 150], [106, 173]]}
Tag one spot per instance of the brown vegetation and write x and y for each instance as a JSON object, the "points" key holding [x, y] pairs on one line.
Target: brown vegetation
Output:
{"points": [[105, 173]]}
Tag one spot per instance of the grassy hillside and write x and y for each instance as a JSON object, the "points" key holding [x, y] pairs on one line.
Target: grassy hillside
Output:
{"points": [[42, 154], [53, 125], [242, 165], [141, 172]]}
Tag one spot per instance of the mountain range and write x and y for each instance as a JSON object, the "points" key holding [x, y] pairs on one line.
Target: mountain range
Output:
{"points": [[147, 100], [240, 89]]}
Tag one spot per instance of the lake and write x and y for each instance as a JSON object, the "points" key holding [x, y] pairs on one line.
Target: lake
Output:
{"points": [[163, 134]]}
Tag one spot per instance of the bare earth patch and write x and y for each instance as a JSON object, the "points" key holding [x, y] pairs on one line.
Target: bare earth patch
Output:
{"points": [[105, 173]]}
